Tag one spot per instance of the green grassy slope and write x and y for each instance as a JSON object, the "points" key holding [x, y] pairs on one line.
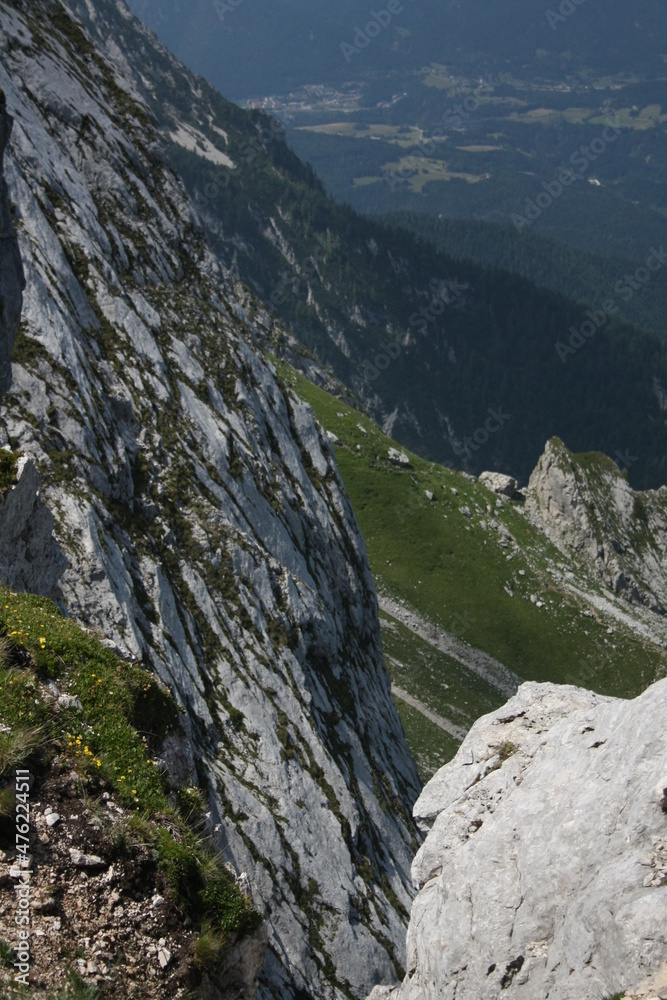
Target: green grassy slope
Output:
{"points": [[459, 571]]}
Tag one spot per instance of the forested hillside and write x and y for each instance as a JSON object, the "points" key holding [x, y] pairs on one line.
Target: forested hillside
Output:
{"points": [[586, 277]]}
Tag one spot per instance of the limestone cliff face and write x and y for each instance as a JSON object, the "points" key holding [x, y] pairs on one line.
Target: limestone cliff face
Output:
{"points": [[11, 271], [30, 558], [584, 504], [544, 873], [199, 507]]}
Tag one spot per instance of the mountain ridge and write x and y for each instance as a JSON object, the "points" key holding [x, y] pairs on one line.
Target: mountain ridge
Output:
{"points": [[206, 531]]}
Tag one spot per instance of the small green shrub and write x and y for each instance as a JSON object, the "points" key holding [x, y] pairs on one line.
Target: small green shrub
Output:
{"points": [[181, 866], [208, 947], [223, 901], [203, 889], [507, 750], [7, 956], [8, 460]]}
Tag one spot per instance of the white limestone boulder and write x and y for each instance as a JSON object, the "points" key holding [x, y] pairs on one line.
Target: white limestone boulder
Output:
{"points": [[499, 483], [544, 872]]}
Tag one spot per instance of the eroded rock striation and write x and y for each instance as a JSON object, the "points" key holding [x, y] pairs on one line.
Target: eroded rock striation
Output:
{"points": [[11, 271], [199, 507], [544, 872], [584, 504]]}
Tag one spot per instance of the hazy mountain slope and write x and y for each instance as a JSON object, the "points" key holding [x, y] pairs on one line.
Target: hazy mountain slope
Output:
{"points": [[487, 103], [492, 161], [205, 527], [265, 46], [470, 341]]}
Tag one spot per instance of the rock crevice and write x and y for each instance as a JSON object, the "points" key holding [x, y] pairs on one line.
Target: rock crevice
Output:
{"points": [[12, 281]]}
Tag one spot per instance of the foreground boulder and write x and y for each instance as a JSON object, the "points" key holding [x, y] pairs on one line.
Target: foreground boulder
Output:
{"points": [[544, 873]]}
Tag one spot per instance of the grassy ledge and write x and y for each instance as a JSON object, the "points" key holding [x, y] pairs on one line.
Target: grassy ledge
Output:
{"points": [[74, 714]]}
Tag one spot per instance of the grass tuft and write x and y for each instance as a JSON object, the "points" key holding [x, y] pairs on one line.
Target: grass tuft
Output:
{"points": [[208, 947], [19, 744], [7, 956]]}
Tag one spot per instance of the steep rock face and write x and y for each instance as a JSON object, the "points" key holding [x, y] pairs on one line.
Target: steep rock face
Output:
{"points": [[544, 871], [200, 510], [30, 558], [583, 503], [11, 271]]}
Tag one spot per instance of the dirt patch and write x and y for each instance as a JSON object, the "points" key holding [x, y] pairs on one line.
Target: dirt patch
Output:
{"points": [[110, 921]]}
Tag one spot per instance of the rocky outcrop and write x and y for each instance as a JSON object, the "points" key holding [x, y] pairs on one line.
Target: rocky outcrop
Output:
{"points": [[199, 507], [544, 872], [30, 557], [585, 505], [11, 271]]}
